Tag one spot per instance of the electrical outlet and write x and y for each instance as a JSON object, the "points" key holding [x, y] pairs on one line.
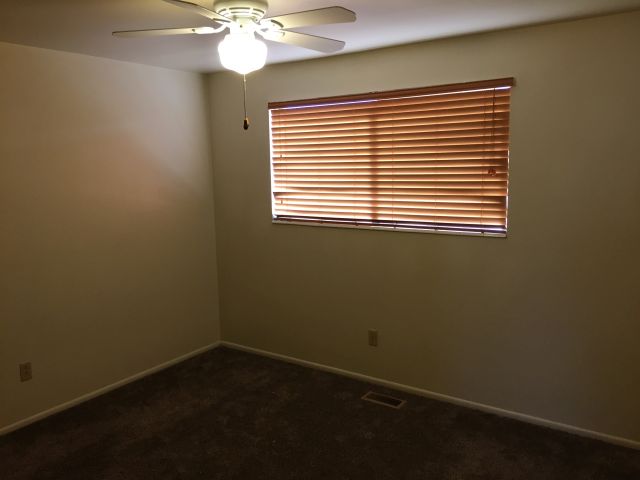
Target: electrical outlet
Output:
{"points": [[25, 372], [373, 338]]}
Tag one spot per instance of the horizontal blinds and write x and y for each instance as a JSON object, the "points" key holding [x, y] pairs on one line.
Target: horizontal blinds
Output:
{"points": [[433, 158]]}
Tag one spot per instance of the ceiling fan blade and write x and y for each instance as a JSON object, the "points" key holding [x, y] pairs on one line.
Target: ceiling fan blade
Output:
{"points": [[205, 12], [320, 44], [164, 31], [321, 16]]}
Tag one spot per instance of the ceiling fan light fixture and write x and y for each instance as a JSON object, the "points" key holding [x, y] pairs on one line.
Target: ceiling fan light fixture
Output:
{"points": [[242, 52]]}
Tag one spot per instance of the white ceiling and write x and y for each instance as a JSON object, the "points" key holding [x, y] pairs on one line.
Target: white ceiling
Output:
{"points": [[85, 26]]}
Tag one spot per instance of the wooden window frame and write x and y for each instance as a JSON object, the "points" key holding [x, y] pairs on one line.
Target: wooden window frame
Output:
{"points": [[473, 103]]}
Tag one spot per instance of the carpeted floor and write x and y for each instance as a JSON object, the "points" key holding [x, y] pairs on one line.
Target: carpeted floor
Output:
{"points": [[231, 415]]}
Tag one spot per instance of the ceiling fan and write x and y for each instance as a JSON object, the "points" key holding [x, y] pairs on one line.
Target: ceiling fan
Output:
{"points": [[240, 51]]}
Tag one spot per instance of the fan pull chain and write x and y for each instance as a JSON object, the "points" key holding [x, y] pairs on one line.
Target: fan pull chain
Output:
{"points": [[244, 98]]}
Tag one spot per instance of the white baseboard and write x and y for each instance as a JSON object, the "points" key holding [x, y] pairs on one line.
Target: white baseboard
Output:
{"points": [[625, 442], [103, 390]]}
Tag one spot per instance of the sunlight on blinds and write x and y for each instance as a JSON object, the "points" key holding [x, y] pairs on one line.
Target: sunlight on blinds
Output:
{"points": [[429, 159]]}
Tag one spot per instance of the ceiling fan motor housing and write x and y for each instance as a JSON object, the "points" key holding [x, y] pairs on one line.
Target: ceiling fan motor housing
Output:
{"points": [[241, 11]]}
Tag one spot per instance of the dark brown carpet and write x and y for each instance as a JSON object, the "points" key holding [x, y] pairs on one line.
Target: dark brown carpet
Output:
{"points": [[232, 415]]}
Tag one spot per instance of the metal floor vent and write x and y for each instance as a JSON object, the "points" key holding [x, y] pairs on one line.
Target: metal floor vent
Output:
{"points": [[385, 400]]}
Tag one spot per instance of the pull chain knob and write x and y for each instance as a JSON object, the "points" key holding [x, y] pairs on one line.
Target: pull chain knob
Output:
{"points": [[245, 125]]}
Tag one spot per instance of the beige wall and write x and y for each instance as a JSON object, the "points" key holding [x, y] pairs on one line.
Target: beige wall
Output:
{"points": [[545, 322], [107, 248]]}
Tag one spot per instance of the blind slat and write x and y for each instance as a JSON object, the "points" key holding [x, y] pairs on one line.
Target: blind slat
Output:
{"points": [[385, 110], [439, 116], [408, 102], [396, 217], [392, 149], [389, 170], [400, 157], [391, 141], [482, 165], [433, 208], [471, 127], [357, 197], [456, 192]]}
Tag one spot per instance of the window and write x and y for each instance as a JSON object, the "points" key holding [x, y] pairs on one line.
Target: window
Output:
{"points": [[433, 159]]}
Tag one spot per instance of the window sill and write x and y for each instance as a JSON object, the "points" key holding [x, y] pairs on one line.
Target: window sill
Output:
{"points": [[390, 229]]}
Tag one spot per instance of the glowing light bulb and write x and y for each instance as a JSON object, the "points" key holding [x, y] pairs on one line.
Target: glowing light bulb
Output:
{"points": [[242, 53]]}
